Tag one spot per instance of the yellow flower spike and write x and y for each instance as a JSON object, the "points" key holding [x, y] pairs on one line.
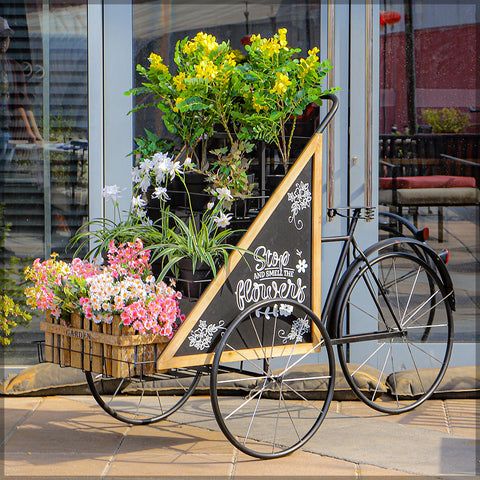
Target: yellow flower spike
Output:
{"points": [[179, 81], [282, 37]]}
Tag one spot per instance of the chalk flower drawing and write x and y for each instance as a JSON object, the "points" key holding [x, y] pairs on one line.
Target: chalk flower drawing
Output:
{"points": [[299, 328], [282, 309], [202, 337], [301, 266], [301, 199]]}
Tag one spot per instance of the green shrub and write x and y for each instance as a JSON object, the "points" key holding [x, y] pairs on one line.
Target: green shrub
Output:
{"points": [[446, 120]]}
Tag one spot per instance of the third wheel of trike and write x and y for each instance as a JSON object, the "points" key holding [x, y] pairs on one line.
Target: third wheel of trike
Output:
{"points": [[396, 322], [272, 378]]}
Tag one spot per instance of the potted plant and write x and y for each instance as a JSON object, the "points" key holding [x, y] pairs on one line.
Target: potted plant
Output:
{"points": [[194, 245], [88, 306], [277, 87], [199, 93]]}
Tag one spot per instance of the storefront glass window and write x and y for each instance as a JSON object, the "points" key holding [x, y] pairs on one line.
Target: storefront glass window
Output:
{"points": [[429, 134], [158, 26], [44, 143]]}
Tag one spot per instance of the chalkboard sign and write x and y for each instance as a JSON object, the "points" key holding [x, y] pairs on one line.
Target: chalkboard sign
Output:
{"points": [[285, 240]]}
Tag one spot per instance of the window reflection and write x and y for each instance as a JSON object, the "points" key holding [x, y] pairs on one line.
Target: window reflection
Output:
{"points": [[429, 133], [43, 141]]}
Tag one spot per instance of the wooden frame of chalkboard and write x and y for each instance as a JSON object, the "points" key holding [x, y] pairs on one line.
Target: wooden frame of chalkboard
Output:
{"points": [[288, 228]]}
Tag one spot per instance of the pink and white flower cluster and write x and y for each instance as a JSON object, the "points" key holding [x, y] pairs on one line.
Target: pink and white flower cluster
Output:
{"points": [[57, 284], [125, 287]]}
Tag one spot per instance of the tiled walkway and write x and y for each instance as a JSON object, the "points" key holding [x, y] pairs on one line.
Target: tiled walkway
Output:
{"points": [[72, 437]]}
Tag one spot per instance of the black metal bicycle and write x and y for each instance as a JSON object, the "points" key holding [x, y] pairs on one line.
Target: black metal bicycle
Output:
{"points": [[262, 334]]}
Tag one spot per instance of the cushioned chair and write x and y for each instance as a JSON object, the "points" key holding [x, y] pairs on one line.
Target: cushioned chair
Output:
{"points": [[419, 171]]}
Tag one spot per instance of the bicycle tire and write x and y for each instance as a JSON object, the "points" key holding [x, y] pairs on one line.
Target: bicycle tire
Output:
{"points": [[393, 294]]}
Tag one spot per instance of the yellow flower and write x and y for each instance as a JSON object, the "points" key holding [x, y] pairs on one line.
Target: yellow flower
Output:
{"points": [[206, 41], [312, 55], [178, 101], [156, 62], [189, 48], [281, 84], [179, 81], [258, 107], [206, 69], [282, 37], [272, 47], [231, 59]]}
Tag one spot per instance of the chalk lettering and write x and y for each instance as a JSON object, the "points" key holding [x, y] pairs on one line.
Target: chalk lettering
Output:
{"points": [[270, 259], [248, 292]]}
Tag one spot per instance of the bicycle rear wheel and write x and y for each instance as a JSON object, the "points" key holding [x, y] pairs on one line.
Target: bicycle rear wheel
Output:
{"points": [[148, 399], [265, 400], [396, 322]]}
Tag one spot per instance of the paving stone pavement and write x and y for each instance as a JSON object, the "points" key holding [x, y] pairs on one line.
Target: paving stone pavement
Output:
{"points": [[71, 437]]}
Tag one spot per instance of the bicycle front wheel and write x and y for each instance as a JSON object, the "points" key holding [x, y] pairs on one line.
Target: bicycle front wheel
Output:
{"points": [[396, 328], [272, 378]]}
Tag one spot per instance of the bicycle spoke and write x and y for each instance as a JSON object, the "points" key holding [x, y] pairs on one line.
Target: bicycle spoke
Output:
{"points": [[409, 297], [367, 359], [430, 309], [424, 352], [254, 413], [258, 338], [304, 399], [249, 399], [246, 359], [301, 379], [116, 391], [380, 376], [242, 379], [302, 357], [288, 413], [419, 308]]}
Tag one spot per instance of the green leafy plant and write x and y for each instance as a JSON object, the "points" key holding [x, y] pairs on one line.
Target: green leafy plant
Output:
{"points": [[11, 315], [151, 144], [277, 87], [200, 239], [96, 235], [446, 120], [230, 171], [198, 94]]}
